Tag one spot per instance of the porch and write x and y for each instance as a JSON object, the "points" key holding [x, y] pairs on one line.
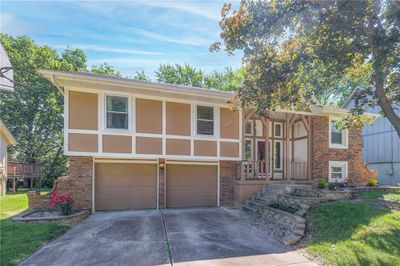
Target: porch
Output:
{"points": [[276, 149], [24, 171]]}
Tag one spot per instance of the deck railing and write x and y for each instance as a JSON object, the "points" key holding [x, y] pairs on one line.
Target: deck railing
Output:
{"points": [[299, 170], [252, 170], [23, 169]]}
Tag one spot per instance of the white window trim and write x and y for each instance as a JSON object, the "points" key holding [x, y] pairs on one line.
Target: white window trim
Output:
{"points": [[345, 135], [281, 135], [215, 122], [340, 164], [105, 128]]}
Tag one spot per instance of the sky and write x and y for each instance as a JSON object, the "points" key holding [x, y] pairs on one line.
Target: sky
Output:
{"points": [[130, 35]]}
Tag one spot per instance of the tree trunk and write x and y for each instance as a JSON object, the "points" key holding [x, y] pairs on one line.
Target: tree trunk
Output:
{"points": [[387, 108]]}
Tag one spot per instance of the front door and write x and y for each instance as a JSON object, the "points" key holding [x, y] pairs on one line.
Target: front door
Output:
{"points": [[275, 157]]}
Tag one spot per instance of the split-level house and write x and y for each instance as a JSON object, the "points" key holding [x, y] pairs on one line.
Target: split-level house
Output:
{"points": [[137, 144]]}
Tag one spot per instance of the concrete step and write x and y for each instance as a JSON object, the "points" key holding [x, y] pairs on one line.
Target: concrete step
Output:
{"points": [[264, 200], [249, 208], [255, 204]]}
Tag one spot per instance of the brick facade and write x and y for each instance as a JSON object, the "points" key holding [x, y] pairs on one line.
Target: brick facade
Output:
{"points": [[228, 172], [78, 184], [322, 154]]}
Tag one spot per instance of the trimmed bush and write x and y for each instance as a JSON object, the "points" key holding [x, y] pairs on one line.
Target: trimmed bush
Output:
{"points": [[372, 182], [323, 184]]}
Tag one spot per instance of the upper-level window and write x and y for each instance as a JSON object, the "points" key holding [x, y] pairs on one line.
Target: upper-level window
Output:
{"points": [[278, 129], [249, 127], [205, 120], [117, 112], [338, 138]]}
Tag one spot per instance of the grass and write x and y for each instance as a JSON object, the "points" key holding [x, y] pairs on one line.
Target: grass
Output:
{"points": [[20, 240], [394, 196], [356, 232]]}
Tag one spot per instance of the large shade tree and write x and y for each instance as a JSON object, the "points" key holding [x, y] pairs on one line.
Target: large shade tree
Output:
{"points": [[34, 111], [299, 52]]}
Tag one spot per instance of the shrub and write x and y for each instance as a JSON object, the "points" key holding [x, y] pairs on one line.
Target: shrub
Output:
{"points": [[323, 184], [372, 182], [332, 186], [61, 202]]}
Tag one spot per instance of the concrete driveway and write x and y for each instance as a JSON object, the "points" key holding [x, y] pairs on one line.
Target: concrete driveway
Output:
{"points": [[201, 236]]}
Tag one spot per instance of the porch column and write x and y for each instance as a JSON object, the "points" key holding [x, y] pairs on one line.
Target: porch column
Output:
{"points": [[309, 142], [246, 118], [265, 121], [287, 143], [307, 123]]}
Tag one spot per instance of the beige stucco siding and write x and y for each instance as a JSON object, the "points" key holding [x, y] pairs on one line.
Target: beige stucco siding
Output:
{"points": [[178, 118], [148, 145], [148, 116], [229, 123], [83, 142], [117, 144], [229, 149], [205, 148], [178, 147], [83, 110]]}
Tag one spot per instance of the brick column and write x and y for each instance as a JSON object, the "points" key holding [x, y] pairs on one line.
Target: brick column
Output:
{"points": [[162, 185], [228, 172]]}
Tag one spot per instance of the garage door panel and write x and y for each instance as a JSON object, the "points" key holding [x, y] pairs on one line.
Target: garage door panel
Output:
{"points": [[191, 185], [125, 186]]}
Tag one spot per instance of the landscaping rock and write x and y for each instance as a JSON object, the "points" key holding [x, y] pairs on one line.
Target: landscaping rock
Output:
{"points": [[291, 239], [301, 213]]}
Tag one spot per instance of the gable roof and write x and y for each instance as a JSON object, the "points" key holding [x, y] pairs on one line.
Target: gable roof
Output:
{"points": [[7, 134], [72, 78], [353, 93]]}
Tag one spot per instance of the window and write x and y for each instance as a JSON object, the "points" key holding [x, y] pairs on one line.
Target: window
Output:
{"points": [[278, 129], [249, 149], [117, 112], [337, 138], [259, 128], [205, 120], [249, 127], [338, 171]]}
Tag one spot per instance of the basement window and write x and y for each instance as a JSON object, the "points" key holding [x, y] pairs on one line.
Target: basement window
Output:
{"points": [[116, 112], [205, 120], [338, 171]]}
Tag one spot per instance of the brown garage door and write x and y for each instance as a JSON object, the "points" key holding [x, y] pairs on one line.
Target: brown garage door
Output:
{"points": [[124, 186], [191, 185]]}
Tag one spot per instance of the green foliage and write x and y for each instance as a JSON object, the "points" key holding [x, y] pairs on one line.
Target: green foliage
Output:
{"points": [[105, 69], [227, 80], [372, 182], [323, 184], [394, 196], [179, 74], [33, 112], [140, 75], [20, 240], [298, 52], [354, 233]]}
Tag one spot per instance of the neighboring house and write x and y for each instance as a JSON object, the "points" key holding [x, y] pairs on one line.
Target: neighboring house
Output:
{"points": [[6, 138], [138, 144], [381, 144]]}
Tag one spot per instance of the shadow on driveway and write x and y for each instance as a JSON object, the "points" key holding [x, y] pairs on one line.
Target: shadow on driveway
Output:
{"points": [[200, 236]]}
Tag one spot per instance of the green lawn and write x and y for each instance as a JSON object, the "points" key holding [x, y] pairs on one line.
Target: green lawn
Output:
{"points": [[356, 232], [19, 240], [394, 196]]}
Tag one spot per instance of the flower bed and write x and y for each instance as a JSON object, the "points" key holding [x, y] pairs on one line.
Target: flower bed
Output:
{"points": [[33, 216]]}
